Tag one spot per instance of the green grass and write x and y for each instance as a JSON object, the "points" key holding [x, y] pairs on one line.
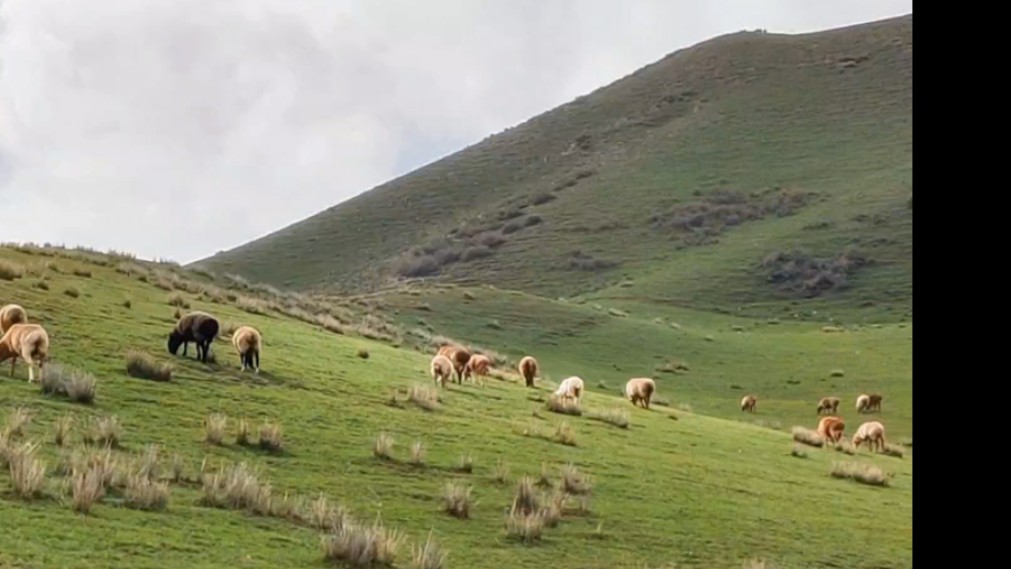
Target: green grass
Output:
{"points": [[700, 491], [827, 113]]}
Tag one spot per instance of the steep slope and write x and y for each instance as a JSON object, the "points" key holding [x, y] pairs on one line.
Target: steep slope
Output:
{"points": [[690, 182], [697, 491]]}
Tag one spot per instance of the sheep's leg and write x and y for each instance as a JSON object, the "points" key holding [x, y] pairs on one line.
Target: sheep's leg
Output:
{"points": [[13, 361], [256, 366]]}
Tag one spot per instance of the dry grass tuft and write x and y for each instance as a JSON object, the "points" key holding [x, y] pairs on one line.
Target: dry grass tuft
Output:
{"points": [[104, 431], [10, 270], [149, 465], [177, 468], [552, 508], [28, 473], [67, 382], [363, 353], [894, 450], [215, 426], [271, 437], [564, 406], [423, 396], [863, 473], [456, 500], [429, 555], [845, 447], [798, 451], [143, 493], [17, 420], [61, 430], [72, 292], [417, 453], [237, 487], [526, 528], [357, 545], [242, 433], [326, 516], [808, 437], [525, 498], [142, 365], [466, 464], [574, 482], [617, 417], [383, 446], [500, 473], [177, 300], [565, 434], [87, 488]]}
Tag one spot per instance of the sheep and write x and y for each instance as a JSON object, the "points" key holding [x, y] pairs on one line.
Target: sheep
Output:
{"points": [[828, 404], [459, 356], [874, 402], [29, 342], [248, 342], [871, 432], [198, 327], [570, 388], [748, 403], [477, 365], [831, 428], [10, 315], [863, 402], [640, 390], [528, 370], [441, 369]]}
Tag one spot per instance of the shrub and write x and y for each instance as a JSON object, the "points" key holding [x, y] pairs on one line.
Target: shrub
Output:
{"points": [[72, 292], [358, 545], [271, 436], [41, 285], [476, 252], [575, 482], [128, 303], [808, 437], [28, 473], [143, 493], [363, 353], [215, 426], [10, 270], [142, 365], [562, 405], [383, 446], [617, 417], [863, 473], [456, 500], [429, 555], [61, 430]]}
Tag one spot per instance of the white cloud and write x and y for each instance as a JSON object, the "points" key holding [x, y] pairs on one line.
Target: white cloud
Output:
{"points": [[177, 128]]}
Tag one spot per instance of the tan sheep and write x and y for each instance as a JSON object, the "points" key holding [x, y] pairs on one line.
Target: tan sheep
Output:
{"points": [[441, 369], [570, 388], [828, 404], [10, 315], [528, 370], [29, 342], [863, 402], [871, 432], [640, 390], [477, 366], [748, 403], [248, 342], [831, 428]]}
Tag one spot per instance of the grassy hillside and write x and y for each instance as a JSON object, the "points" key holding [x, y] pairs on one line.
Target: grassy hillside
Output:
{"points": [[764, 174], [699, 491]]}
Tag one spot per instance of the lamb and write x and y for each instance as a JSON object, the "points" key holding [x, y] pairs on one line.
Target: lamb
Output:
{"points": [[248, 342], [29, 342], [748, 403], [831, 428], [863, 402], [828, 404], [871, 432], [198, 327], [477, 366], [441, 369], [640, 390], [570, 388], [874, 403], [10, 315], [528, 370]]}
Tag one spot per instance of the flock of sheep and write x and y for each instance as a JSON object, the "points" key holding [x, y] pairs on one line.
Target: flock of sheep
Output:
{"points": [[30, 342]]}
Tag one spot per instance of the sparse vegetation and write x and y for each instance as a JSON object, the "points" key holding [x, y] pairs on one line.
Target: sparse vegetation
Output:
{"points": [[428, 555], [418, 453], [271, 437], [61, 430], [466, 464], [143, 493], [242, 433], [863, 473], [383, 446], [456, 499], [27, 471], [358, 545], [76, 385], [565, 434], [423, 396], [104, 431], [215, 427]]}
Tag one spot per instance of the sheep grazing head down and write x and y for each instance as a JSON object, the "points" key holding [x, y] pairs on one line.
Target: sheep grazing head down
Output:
{"points": [[175, 340]]}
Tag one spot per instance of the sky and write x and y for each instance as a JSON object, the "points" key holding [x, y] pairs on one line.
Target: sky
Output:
{"points": [[177, 128]]}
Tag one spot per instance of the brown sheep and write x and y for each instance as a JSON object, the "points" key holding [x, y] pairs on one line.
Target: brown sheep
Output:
{"points": [[477, 366], [640, 390], [871, 432], [248, 342], [29, 342], [198, 327], [441, 369], [863, 402], [459, 356], [10, 315], [748, 403], [874, 402], [831, 428], [828, 404], [528, 370]]}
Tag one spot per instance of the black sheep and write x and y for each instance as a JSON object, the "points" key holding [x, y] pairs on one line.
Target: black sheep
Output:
{"points": [[198, 327]]}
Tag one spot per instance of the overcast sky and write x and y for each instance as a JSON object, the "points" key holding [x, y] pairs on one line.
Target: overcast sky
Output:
{"points": [[175, 128]]}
